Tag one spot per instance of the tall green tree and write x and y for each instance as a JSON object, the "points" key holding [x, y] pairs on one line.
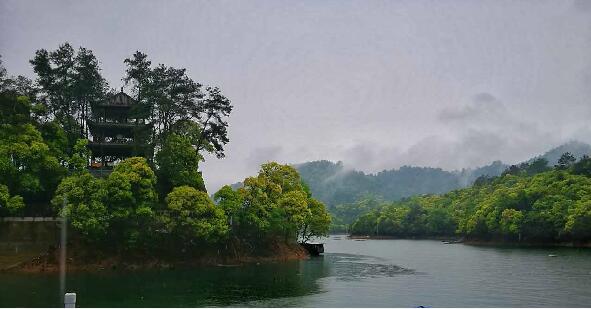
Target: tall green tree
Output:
{"points": [[177, 104], [211, 114], [78, 162], [274, 203], [19, 85], [132, 199], [89, 87], [70, 82], [316, 223], [193, 217], [27, 166], [10, 205], [292, 209], [178, 165], [82, 199], [231, 202]]}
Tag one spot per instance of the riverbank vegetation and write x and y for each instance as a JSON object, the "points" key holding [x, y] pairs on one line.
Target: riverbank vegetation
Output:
{"points": [[530, 202], [156, 204]]}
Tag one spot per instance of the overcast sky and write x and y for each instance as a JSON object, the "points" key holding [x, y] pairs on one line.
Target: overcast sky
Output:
{"points": [[376, 84]]}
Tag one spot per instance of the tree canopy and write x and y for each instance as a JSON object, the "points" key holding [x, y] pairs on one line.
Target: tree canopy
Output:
{"points": [[174, 103], [44, 125], [193, 217], [152, 202], [552, 205], [275, 202], [178, 164]]}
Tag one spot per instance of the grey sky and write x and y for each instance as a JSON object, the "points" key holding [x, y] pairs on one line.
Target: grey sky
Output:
{"points": [[377, 84]]}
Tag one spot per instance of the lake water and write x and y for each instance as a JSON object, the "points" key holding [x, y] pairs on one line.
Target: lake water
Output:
{"points": [[370, 273]]}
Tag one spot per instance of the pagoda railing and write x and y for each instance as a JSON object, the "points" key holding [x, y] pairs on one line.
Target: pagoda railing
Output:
{"points": [[110, 121]]}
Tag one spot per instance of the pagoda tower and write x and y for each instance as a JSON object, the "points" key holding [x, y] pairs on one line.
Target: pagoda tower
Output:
{"points": [[116, 132]]}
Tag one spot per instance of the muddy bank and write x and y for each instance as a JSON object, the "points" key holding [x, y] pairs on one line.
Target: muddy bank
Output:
{"points": [[82, 259]]}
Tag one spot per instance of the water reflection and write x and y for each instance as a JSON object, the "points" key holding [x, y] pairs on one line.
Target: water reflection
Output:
{"points": [[381, 273], [207, 286], [197, 287]]}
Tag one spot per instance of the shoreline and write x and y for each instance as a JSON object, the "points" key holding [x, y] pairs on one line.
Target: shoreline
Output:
{"points": [[568, 244], [48, 262], [477, 242], [354, 237]]}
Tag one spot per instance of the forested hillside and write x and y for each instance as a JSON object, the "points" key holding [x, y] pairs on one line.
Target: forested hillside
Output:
{"points": [[523, 204], [575, 148], [334, 184], [349, 193]]}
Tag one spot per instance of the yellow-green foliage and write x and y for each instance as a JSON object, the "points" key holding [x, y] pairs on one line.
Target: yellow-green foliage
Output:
{"points": [[275, 203], [553, 205], [85, 199], [178, 164], [193, 217], [27, 167], [123, 210], [10, 205], [120, 208]]}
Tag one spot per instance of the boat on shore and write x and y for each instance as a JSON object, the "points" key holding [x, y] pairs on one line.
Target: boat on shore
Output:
{"points": [[314, 249], [449, 242]]}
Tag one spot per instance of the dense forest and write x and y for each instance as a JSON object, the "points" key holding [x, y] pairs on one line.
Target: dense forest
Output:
{"points": [[157, 201], [528, 202], [349, 193]]}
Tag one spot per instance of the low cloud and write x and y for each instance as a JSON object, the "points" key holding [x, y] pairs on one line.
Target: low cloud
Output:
{"points": [[486, 129], [261, 155], [484, 105], [582, 6], [473, 135]]}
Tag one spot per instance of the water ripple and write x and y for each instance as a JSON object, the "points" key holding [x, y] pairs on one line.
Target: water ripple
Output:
{"points": [[350, 267]]}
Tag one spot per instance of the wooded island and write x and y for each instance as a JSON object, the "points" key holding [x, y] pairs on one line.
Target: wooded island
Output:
{"points": [[124, 169]]}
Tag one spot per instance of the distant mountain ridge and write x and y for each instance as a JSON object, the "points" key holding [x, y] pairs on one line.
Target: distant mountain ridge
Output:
{"points": [[334, 184], [576, 148]]}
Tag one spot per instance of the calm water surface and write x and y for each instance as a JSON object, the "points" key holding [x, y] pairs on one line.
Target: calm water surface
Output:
{"points": [[371, 273]]}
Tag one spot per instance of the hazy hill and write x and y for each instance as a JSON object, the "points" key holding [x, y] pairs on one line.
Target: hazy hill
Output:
{"points": [[576, 148], [335, 184]]}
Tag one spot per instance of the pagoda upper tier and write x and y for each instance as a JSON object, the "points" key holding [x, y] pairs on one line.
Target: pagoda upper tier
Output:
{"points": [[117, 132], [120, 99]]}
